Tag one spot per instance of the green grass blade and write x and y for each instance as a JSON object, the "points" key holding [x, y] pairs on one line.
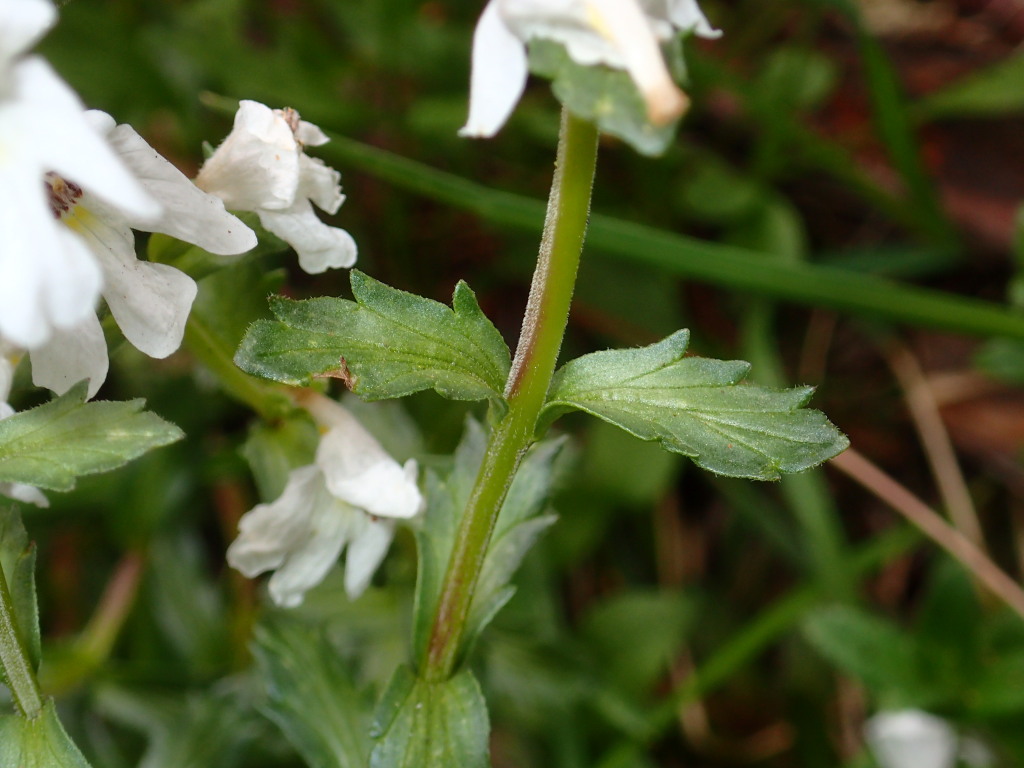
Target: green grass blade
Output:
{"points": [[737, 268]]}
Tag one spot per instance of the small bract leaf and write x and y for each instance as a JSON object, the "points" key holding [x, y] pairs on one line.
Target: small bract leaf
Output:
{"points": [[697, 407], [312, 696], [387, 343], [18, 561], [523, 518], [431, 725], [605, 96], [52, 444], [40, 742]]}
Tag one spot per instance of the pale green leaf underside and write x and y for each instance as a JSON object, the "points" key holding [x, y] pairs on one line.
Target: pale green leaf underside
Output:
{"points": [[37, 743], [18, 561], [421, 724], [311, 696], [52, 444], [387, 343], [697, 407]]}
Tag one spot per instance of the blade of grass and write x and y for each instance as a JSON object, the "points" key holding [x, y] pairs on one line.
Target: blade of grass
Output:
{"points": [[737, 268]]}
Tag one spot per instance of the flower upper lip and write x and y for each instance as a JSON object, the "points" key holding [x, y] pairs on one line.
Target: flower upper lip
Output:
{"points": [[261, 166]]}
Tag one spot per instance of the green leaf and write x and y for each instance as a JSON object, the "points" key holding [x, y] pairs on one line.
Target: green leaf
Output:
{"points": [[697, 407], [521, 521], [52, 444], [999, 687], [312, 697], [633, 661], [387, 343], [605, 96], [431, 725], [869, 648], [183, 731], [37, 743], [18, 561]]}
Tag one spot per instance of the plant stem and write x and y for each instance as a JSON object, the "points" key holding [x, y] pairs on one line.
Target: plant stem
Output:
{"points": [[547, 313], [268, 400], [17, 668]]}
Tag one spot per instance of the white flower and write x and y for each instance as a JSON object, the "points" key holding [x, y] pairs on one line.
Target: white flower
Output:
{"points": [[351, 496], [261, 167], [19, 491], [68, 198], [21, 24], [50, 280], [624, 34], [149, 301], [910, 738]]}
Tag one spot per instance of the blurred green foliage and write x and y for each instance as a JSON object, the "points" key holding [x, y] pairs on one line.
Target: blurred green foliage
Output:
{"points": [[668, 618]]}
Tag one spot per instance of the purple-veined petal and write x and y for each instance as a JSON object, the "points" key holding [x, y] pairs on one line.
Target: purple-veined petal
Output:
{"points": [[69, 146]]}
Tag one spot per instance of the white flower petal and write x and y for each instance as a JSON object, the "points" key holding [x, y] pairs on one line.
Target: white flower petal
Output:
{"points": [[269, 532], [26, 493], [7, 367], [498, 75], [910, 738], [71, 355], [358, 470], [50, 278], [307, 564], [369, 543], [320, 183], [319, 246], [310, 135], [189, 214], [257, 165], [687, 15], [150, 301], [69, 146], [624, 24], [22, 23]]}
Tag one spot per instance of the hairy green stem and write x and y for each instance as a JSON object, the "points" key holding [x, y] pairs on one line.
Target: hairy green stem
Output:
{"points": [[547, 312], [17, 667]]}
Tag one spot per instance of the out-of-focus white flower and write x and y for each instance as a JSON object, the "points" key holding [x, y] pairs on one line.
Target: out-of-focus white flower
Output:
{"points": [[624, 34], [352, 495], [910, 738], [149, 301], [8, 362], [261, 167], [50, 279], [21, 24]]}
